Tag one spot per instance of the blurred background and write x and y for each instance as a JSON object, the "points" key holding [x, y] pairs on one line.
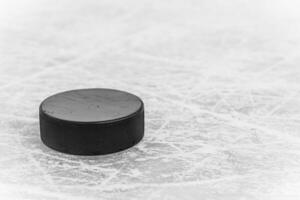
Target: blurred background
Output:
{"points": [[220, 82]]}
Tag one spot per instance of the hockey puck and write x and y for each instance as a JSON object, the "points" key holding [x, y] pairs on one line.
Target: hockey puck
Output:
{"points": [[91, 121]]}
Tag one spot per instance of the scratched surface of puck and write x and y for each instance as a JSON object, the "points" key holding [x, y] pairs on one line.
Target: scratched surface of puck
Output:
{"points": [[91, 121]]}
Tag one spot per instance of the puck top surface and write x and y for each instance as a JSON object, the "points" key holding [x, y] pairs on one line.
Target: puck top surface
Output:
{"points": [[91, 105]]}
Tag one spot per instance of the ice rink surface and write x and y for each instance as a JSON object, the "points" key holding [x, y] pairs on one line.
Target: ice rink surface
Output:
{"points": [[221, 86]]}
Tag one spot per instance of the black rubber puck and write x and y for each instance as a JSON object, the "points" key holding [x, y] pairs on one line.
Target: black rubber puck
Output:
{"points": [[91, 121]]}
